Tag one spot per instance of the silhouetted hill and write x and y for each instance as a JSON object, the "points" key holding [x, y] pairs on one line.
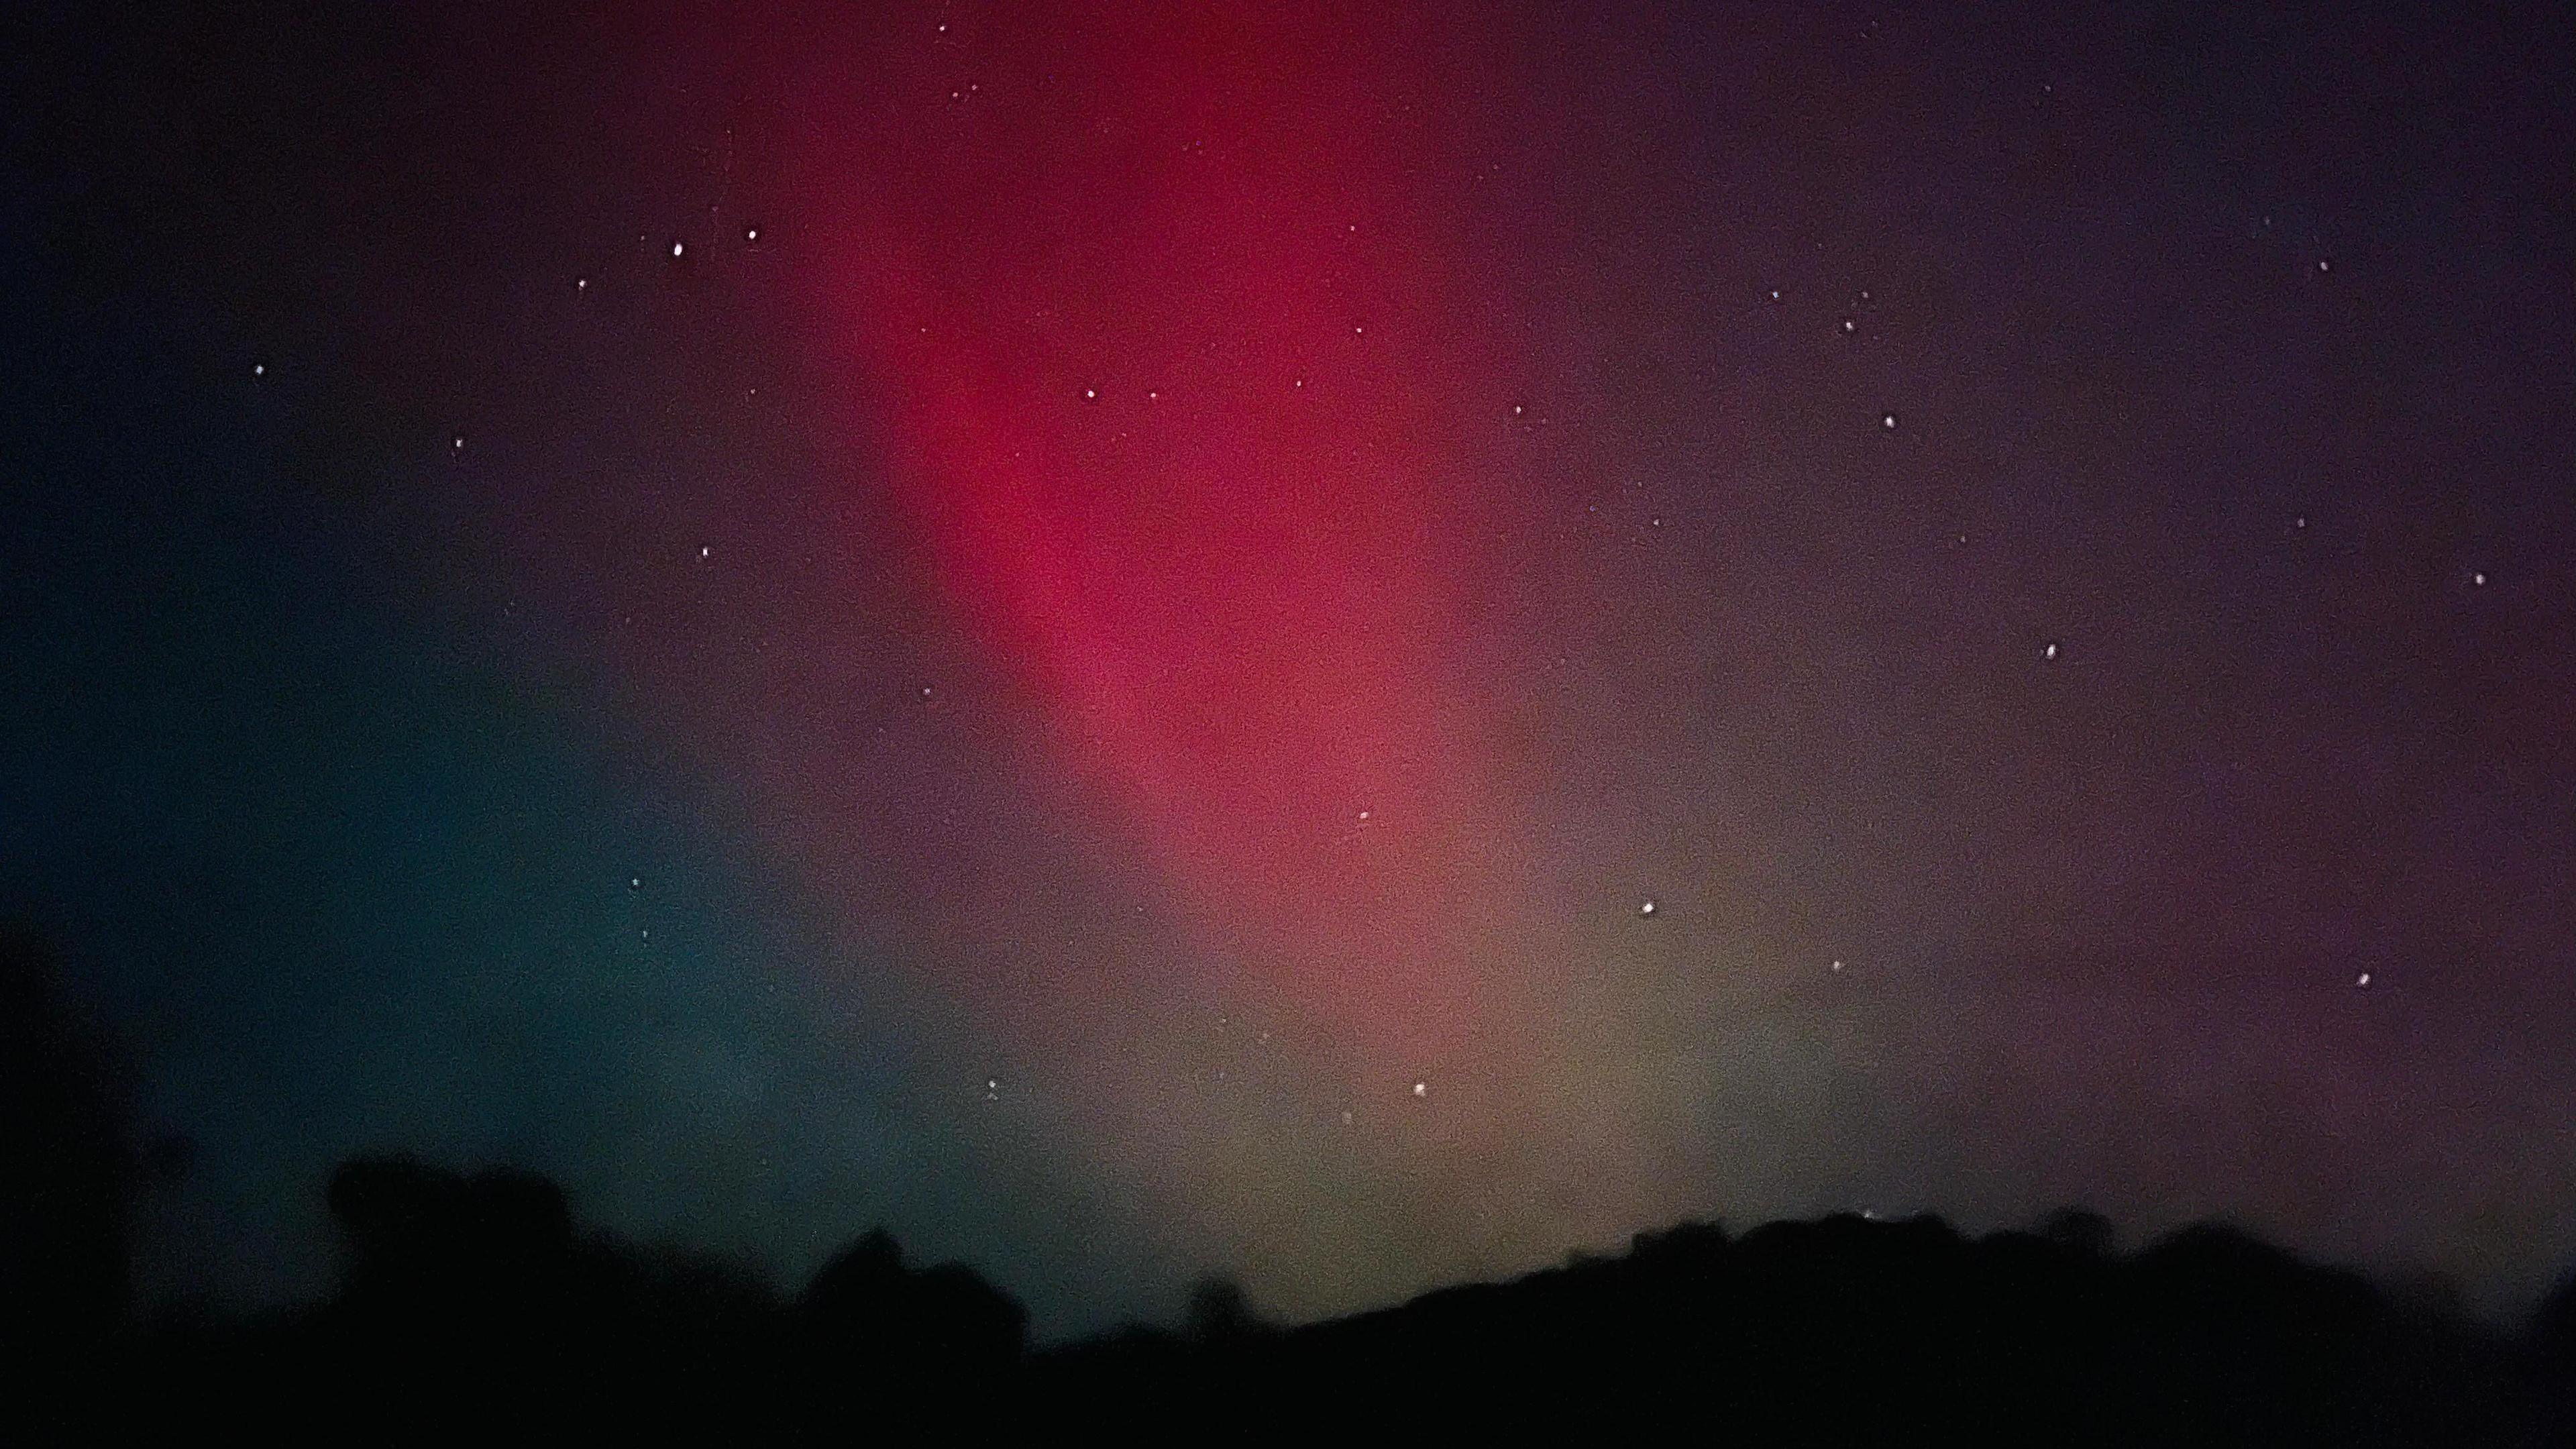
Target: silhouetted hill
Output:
{"points": [[1846, 1331], [475, 1307]]}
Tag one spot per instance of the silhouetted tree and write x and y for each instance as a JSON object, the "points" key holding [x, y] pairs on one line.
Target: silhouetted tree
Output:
{"points": [[420, 1232], [1218, 1313], [873, 1337], [64, 1182], [2080, 1230]]}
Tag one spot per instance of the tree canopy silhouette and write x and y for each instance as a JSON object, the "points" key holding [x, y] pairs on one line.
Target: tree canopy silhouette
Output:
{"points": [[476, 1303]]}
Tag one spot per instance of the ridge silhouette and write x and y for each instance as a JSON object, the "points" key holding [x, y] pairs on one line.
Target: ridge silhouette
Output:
{"points": [[476, 1305]]}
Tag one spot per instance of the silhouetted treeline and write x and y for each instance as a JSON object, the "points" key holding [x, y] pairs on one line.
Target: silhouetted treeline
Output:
{"points": [[473, 1308], [1853, 1331]]}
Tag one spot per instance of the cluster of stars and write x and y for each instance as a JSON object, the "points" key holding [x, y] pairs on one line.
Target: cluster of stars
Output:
{"points": [[1847, 326]]}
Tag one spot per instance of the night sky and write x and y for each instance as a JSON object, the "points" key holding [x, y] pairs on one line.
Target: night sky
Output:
{"points": [[1350, 644]]}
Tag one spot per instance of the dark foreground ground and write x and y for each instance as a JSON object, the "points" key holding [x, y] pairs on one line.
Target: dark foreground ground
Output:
{"points": [[474, 1310]]}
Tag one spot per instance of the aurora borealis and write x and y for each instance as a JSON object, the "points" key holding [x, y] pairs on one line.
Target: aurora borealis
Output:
{"points": [[1353, 645]]}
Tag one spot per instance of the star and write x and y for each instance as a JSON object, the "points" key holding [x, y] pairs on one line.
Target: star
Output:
{"points": [[259, 369], [678, 247], [2048, 650], [1838, 965], [2478, 579], [1647, 909], [1887, 420], [2363, 980], [1422, 1089], [752, 235]]}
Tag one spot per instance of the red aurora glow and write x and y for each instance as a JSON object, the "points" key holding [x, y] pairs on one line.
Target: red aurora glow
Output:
{"points": [[1182, 380]]}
